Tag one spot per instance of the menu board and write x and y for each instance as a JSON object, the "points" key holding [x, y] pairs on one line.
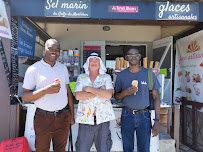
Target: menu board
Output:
{"points": [[87, 50]]}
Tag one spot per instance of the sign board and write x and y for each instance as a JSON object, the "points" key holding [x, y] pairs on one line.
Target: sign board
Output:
{"points": [[177, 11], [189, 68], [87, 50], [26, 39], [4, 23], [67, 8], [123, 9]]}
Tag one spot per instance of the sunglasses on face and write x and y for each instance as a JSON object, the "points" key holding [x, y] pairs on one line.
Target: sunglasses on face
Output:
{"points": [[135, 56], [52, 49]]}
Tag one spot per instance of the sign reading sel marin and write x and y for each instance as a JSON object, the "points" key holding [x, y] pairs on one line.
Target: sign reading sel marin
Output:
{"points": [[26, 39], [177, 11], [67, 8]]}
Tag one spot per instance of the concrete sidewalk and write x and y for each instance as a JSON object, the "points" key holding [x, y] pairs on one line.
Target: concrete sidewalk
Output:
{"points": [[184, 148]]}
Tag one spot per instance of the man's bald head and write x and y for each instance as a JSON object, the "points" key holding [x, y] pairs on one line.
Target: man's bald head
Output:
{"points": [[51, 41]]}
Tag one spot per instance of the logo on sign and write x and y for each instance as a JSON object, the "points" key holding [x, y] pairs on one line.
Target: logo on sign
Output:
{"points": [[192, 53], [193, 47], [123, 9]]}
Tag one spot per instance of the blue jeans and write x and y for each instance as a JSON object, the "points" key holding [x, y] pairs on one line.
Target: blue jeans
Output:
{"points": [[142, 124]]}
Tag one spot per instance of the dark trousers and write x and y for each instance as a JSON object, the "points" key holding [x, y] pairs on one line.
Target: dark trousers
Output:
{"points": [[50, 126], [99, 134]]}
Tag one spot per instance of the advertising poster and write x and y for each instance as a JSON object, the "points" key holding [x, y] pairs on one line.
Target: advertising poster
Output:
{"points": [[5, 30], [26, 39], [189, 68]]}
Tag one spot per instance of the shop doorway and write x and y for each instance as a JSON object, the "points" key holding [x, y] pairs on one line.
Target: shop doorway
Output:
{"points": [[163, 52], [120, 50]]}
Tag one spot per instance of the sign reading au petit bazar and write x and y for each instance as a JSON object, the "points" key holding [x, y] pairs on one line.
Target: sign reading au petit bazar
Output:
{"points": [[177, 11], [67, 8]]}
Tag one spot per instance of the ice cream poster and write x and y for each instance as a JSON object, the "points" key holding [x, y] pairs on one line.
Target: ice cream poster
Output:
{"points": [[4, 23], [189, 68]]}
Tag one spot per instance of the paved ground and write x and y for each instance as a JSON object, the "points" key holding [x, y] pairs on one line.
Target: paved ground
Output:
{"points": [[184, 148]]}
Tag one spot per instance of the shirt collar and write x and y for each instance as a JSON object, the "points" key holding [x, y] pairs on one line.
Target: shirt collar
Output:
{"points": [[46, 64], [98, 75]]}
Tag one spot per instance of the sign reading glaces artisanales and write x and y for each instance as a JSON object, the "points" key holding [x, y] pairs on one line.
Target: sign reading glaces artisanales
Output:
{"points": [[177, 11]]}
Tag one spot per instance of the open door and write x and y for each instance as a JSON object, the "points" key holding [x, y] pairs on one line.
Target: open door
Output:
{"points": [[87, 47], [163, 52]]}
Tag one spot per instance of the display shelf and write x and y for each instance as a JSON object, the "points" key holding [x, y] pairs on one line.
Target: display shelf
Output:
{"points": [[71, 59]]}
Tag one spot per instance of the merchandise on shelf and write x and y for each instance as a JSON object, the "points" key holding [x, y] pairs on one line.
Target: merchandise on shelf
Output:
{"points": [[75, 72], [76, 56], [65, 58], [60, 58]]}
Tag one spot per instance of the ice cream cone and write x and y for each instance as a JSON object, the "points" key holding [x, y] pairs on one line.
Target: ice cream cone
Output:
{"points": [[121, 62], [135, 84], [125, 64], [151, 64], [156, 65], [57, 81], [145, 62], [117, 63]]}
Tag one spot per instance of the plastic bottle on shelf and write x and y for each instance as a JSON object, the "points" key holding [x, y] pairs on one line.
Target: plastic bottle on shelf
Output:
{"points": [[70, 57], [65, 58], [70, 52], [60, 58], [75, 72], [76, 56]]}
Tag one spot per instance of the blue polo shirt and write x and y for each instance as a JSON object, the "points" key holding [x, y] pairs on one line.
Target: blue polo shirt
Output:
{"points": [[139, 101]]}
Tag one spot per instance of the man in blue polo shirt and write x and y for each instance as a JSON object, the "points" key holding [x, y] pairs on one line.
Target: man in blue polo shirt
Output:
{"points": [[135, 101]]}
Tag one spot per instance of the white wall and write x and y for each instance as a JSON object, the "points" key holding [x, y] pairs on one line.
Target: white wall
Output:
{"points": [[77, 32], [173, 30], [121, 33]]}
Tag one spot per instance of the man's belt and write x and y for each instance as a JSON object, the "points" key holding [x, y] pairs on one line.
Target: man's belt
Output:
{"points": [[136, 112], [53, 112]]}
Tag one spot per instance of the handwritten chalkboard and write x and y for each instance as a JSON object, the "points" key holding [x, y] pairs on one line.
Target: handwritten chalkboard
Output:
{"points": [[87, 50]]}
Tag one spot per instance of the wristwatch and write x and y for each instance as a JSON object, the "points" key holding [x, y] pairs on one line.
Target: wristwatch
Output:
{"points": [[156, 119]]}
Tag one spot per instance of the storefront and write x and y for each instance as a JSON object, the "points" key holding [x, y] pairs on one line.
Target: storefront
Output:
{"points": [[108, 27]]}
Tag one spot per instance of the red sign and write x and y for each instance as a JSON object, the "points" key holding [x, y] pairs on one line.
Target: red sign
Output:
{"points": [[156, 71], [91, 48], [123, 9], [15, 145]]}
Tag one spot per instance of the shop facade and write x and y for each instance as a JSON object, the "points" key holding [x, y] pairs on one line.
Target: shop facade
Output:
{"points": [[128, 23]]}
